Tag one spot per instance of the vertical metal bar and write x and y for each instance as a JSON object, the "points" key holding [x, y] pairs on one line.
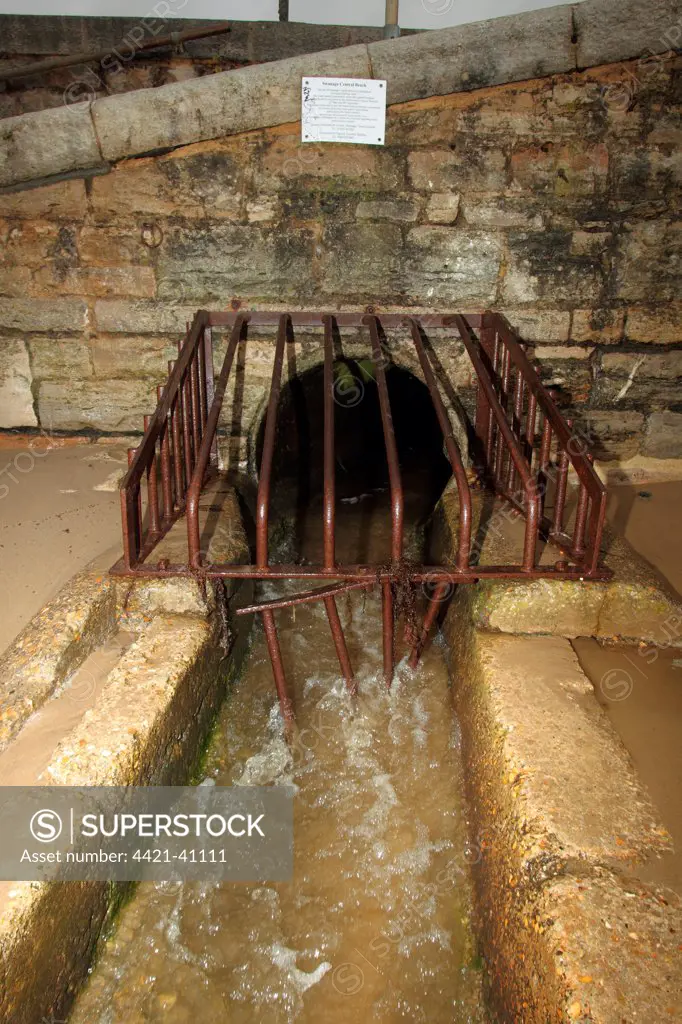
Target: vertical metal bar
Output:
{"points": [[484, 420], [531, 420], [152, 488], [184, 397], [209, 372], [396, 488], [137, 498], [263, 497], [431, 614], [454, 454], [580, 524], [560, 493], [202, 386], [395, 482], [329, 472], [166, 471], [388, 630], [545, 452], [275, 653], [340, 642], [176, 432], [196, 402], [519, 391]]}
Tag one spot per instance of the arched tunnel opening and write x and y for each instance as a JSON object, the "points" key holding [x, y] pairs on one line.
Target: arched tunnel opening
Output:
{"points": [[363, 518]]}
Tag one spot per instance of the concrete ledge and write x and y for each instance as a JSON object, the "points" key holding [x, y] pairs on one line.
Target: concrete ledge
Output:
{"points": [[556, 813], [50, 648], [222, 104], [474, 56], [65, 140], [47, 143]]}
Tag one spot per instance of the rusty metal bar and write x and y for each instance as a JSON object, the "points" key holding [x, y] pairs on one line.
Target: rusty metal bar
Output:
{"points": [[397, 498], [209, 372], [427, 573], [434, 607], [152, 489], [195, 399], [96, 56], [206, 450], [545, 453], [275, 653], [263, 497], [329, 471], [176, 431], [506, 433], [454, 454], [166, 469], [311, 318], [306, 598], [395, 482]]}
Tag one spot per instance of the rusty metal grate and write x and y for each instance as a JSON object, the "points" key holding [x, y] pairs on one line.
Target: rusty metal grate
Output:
{"points": [[521, 435]]}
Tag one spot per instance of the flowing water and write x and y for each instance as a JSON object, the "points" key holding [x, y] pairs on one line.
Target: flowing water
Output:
{"points": [[375, 925]]}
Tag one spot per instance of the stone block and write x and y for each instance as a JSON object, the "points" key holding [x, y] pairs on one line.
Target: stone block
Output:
{"points": [[472, 165], [119, 316], [216, 262], [568, 368], [600, 326], [541, 268], [116, 245], [473, 56], [448, 265], [614, 435], [663, 436], [362, 259], [135, 282], [59, 358], [116, 406], [66, 200], [501, 212], [16, 396], [144, 356], [648, 262], [544, 326], [659, 325], [47, 142], [399, 211], [16, 281], [216, 105], [571, 170], [40, 315], [443, 207], [608, 33], [629, 378], [31, 243], [602, 928], [285, 160]]}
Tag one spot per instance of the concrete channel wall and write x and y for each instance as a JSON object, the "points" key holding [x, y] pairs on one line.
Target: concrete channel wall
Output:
{"points": [[144, 722]]}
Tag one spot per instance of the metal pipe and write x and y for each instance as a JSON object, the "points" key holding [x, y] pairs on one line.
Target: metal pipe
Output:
{"points": [[340, 643], [166, 471], [329, 470], [387, 630], [152, 488], [263, 498], [306, 598], [391, 26], [395, 482], [431, 614], [454, 454], [176, 430], [275, 653], [89, 57]]}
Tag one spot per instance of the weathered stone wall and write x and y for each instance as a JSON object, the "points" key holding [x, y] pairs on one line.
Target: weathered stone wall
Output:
{"points": [[26, 39], [555, 200]]}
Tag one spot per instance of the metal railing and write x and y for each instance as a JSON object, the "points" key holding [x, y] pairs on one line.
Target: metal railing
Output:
{"points": [[525, 448]]}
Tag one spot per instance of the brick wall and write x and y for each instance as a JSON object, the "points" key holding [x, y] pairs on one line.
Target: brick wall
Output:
{"points": [[553, 200]]}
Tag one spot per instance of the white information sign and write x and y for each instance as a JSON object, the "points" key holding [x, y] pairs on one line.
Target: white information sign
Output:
{"points": [[344, 110]]}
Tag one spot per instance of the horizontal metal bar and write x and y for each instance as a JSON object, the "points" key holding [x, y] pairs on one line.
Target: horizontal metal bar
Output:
{"points": [[306, 598], [313, 318], [427, 573]]}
